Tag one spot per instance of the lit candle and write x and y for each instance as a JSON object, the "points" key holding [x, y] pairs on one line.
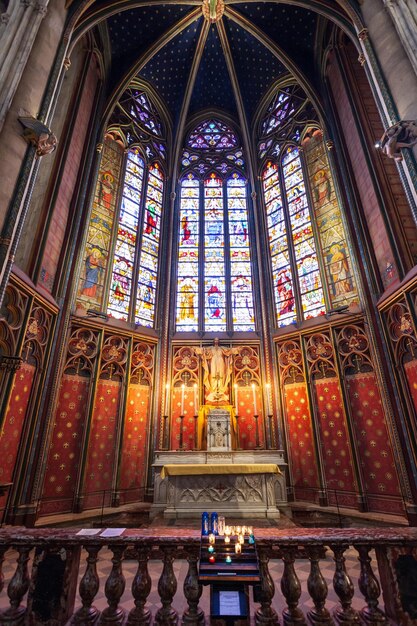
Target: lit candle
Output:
{"points": [[236, 400], [166, 399], [195, 399], [212, 559], [226, 539], [241, 539], [238, 548], [254, 399], [227, 531], [228, 559], [268, 406], [182, 398], [211, 549], [211, 538]]}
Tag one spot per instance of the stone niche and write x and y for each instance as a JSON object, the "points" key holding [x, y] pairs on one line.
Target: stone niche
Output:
{"points": [[219, 431]]}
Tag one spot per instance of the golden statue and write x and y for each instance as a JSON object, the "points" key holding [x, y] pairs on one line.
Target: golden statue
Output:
{"points": [[217, 365]]}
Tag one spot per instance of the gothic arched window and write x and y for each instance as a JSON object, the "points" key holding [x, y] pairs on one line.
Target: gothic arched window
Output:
{"points": [[310, 261], [214, 291], [121, 258]]}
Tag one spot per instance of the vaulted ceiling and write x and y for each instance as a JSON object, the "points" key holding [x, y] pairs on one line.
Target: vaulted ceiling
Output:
{"points": [[229, 65]]}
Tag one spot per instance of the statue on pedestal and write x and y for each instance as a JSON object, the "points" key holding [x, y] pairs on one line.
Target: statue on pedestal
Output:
{"points": [[217, 365]]}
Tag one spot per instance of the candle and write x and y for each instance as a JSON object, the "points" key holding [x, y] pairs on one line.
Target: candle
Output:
{"points": [[166, 399], [268, 406], [228, 559], [182, 398], [226, 539], [195, 399], [221, 525], [238, 548], [241, 539], [254, 399], [211, 549], [227, 531], [212, 538], [212, 559], [236, 400]]}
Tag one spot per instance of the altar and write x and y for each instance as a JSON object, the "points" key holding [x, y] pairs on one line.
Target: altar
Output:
{"points": [[240, 484]]}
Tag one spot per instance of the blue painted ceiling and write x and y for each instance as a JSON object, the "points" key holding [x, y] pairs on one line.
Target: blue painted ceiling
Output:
{"points": [[256, 65]]}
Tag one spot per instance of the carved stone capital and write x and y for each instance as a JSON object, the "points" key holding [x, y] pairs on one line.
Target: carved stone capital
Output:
{"points": [[41, 8], [253, 195], [67, 63], [99, 147], [172, 195], [362, 59], [363, 34], [403, 134], [4, 18]]}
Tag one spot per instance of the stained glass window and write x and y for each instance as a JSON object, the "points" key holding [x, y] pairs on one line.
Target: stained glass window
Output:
{"points": [[295, 267], [120, 270], [136, 252], [124, 254], [149, 252], [214, 265], [91, 293], [187, 295], [310, 265]]}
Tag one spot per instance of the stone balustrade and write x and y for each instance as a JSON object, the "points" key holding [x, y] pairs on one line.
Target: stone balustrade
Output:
{"points": [[55, 554]]}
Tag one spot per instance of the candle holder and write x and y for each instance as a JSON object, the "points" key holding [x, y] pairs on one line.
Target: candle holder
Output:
{"points": [[181, 432], [256, 432], [273, 443], [195, 432], [237, 432], [165, 433]]}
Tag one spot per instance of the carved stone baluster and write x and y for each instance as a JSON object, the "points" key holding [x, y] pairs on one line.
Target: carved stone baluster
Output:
{"points": [[291, 590], [265, 615], [114, 588], [89, 586], [17, 589], [166, 615], [141, 588], [317, 588], [193, 615], [343, 587], [370, 589]]}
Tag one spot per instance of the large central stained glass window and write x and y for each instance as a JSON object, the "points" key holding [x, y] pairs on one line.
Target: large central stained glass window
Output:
{"points": [[214, 290]]}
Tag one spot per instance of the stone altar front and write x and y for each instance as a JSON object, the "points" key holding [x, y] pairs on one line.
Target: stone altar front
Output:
{"points": [[238, 495]]}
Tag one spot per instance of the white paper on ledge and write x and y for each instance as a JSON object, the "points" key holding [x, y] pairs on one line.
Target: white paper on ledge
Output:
{"points": [[89, 531], [229, 603], [112, 532]]}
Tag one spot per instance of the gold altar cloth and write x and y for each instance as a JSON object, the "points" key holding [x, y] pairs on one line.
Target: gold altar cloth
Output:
{"points": [[238, 468]]}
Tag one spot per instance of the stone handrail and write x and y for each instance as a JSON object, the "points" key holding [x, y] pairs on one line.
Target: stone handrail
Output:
{"points": [[63, 547]]}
